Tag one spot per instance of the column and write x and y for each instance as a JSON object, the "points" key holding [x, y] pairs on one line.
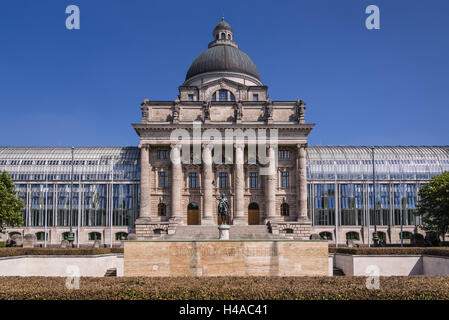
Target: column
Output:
{"points": [[176, 183], [145, 186], [208, 176], [270, 185], [301, 187], [239, 187]]}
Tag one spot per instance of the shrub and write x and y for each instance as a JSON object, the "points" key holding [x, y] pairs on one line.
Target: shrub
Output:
{"points": [[2, 244], [6, 252], [434, 251], [224, 288]]}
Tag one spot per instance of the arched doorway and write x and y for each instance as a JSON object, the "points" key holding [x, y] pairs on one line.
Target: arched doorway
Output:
{"points": [[193, 214], [253, 214]]}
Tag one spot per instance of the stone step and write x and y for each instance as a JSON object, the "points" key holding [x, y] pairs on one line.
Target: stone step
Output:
{"points": [[211, 232], [338, 272], [111, 272]]}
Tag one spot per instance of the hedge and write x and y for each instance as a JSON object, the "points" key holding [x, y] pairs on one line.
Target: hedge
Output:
{"points": [[436, 251], [6, 252], [221, 288]]}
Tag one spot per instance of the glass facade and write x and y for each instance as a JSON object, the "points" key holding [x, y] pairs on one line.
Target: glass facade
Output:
{"points": [[340, 184], [43, 181]]}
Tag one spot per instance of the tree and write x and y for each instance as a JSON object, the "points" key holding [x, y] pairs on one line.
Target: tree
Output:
{"points": [[433, 205], [10, 205]]}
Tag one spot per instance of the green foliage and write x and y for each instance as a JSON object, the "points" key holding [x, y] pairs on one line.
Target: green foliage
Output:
{"points": [[434, 204], [10, 205], [224, 288]]}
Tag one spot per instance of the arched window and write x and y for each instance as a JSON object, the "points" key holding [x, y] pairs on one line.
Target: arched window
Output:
{"points": [[40, 236], [14, 233], [223, 36], [285, 210], [381, 235], [229, 36], [161, 209], [217, 36], [95, 236], [325, 235], [223, 95], [65, 235], [352, 235], [121, 236], [405, 235]]}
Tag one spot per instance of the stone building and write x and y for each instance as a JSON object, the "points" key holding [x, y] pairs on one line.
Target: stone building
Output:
{"points": [[167, 186], [223, 94]]}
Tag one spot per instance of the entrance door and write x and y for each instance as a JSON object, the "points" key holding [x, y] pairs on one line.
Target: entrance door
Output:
{"points": [[193, 214], [253, 214]]}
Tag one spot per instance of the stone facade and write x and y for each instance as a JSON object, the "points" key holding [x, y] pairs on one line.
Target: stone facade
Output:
{"points": [[225, 258], [218, 111]]}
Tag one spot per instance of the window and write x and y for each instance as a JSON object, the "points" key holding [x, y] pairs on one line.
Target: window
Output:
{"points": [[40, 236], [285, 210], [284, 154], [161, 210], [193, 180], [94, 236], [190, 97], [325, 235], [352, 235], [162, 154], [223, 36], [380, 235], [255, 97], [162, 175], [223, 180], [121, 236], [223, 95], [406, 235], [253, 180], [284, 179]]}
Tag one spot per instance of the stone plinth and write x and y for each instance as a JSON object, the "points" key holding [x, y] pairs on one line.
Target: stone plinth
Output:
{"points": [[164, 258], [223, 232]]}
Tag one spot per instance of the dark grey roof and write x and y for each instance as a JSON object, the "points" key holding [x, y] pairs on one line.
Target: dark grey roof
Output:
{"points": [[223, 58], [222, 25]]}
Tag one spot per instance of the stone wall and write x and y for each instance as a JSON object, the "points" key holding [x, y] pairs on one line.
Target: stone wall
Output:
{"points": [[226, 258], [60, 266]]}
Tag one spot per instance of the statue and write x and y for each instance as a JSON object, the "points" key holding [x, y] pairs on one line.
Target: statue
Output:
{"points": [[144, 106], [238, 111], [269, 110], [223, 208], [300, 110], [206, 110], [176, 109]]}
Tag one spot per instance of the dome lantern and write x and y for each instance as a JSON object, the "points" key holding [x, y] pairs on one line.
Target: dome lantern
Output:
{"points": [[223, 31], [223, 55]]}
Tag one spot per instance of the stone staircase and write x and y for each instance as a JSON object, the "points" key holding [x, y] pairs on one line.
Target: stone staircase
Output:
{"points": [[211, 233], [111, 272], [338, 272]]}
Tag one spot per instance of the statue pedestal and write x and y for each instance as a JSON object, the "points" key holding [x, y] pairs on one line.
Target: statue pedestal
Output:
{"points": [[223, 231]]}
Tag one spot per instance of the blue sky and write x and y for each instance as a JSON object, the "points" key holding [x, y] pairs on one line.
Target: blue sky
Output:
{"points": [[62, 87]]}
